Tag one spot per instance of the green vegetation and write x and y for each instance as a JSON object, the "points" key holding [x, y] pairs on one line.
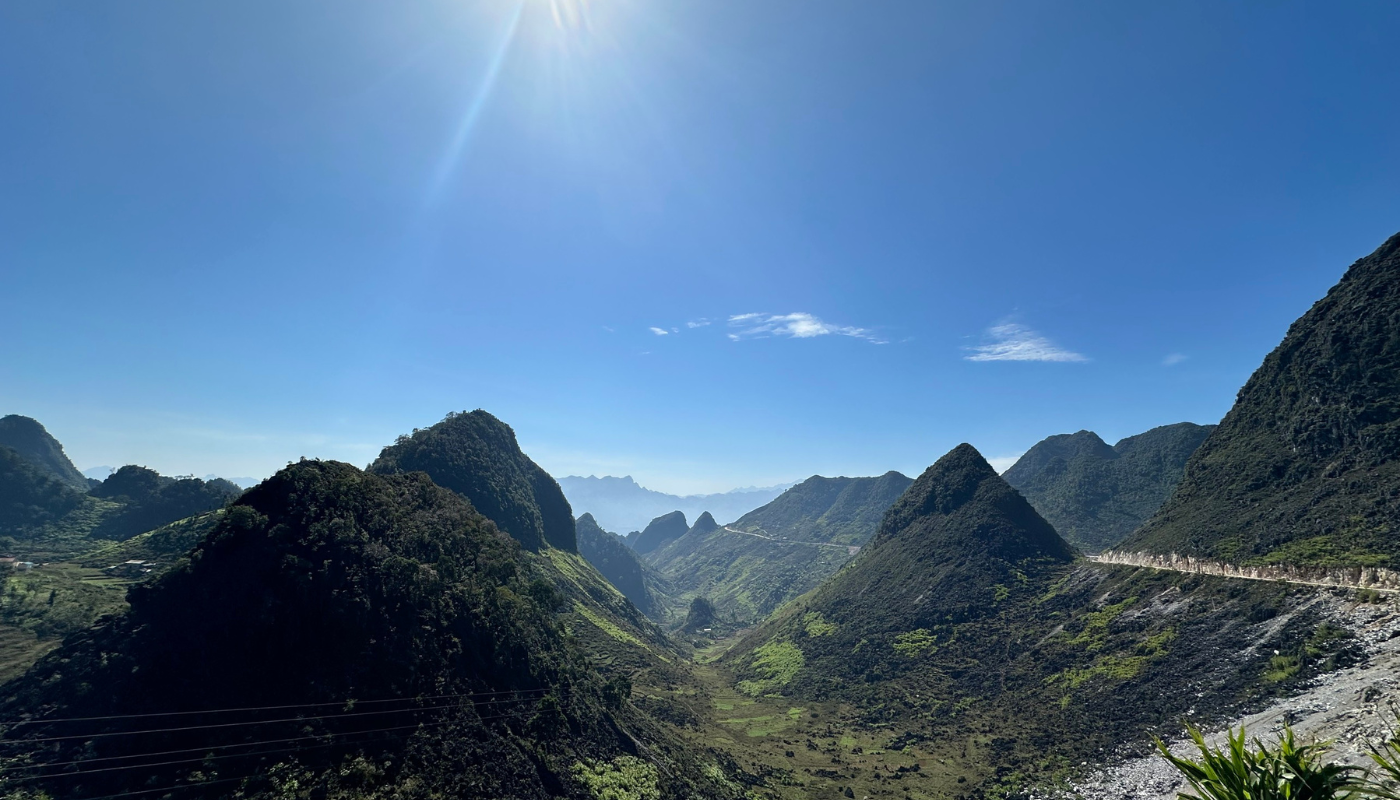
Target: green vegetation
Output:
{"points": [[1306, 466], [476, 455], [774, 664], [623, 778], [816, 625], [1096, 495], [159, 548], [748, 577], [39, 607], [1284, 770], [914, 643]]}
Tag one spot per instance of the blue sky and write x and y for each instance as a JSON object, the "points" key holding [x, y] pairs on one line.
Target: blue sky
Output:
{"points": [[707, 243]]}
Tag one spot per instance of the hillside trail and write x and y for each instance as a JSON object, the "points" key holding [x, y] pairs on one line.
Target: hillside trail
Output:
{"points": [[849, 548], [1377, 580]]}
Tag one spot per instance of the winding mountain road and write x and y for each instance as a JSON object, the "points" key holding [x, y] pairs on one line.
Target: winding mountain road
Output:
{"points": [[850, 549], [1374, 579]]}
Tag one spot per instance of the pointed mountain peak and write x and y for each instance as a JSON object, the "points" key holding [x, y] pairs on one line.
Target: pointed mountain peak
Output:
{"points": [[950, 482], [960, 507], [704, 524]]}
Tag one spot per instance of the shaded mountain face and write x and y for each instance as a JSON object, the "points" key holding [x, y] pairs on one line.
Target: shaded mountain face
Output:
{"points": [[31, 496], [1305, 469], [616, 562], [620, 504], [477, 456], [661, 530], [1096, 495], [785, 549], [321, 585], [34, 444]]}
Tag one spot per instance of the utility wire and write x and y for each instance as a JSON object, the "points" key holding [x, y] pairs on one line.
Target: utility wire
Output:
{"points": [[265, 708], [235, 755], [210, 748], [224, 725]]}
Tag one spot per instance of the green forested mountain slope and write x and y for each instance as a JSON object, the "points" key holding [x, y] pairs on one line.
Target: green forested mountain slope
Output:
{"points": [[150, 500], [663, 529], [1305, 469], [1096, 495], [968, 628], [618, 564], [476, 455], [746, 577], [326, 584], [34, 444]]}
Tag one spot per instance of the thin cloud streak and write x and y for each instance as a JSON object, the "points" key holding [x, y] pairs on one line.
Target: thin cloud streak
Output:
{"points": [[797, 325], [1174, 359], [659, 331], [1013, 342]]}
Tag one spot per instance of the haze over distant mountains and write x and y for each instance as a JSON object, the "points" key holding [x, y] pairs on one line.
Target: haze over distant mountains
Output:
{"points": [[620, 504], [786, 547]]}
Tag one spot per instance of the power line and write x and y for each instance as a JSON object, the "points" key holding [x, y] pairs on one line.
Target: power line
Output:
{"points": [[210, 748], [265, 708], [223, 725], [216, 758]]}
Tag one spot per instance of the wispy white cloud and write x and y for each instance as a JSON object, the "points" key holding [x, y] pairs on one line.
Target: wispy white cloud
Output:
{"points": [[1003, 463], [798, 325], [1010, 341], [659, 331], [1174, 359], [698, 323]]}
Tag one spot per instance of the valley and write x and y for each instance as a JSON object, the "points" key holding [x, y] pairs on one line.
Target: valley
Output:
{"points": [[446, 622]]}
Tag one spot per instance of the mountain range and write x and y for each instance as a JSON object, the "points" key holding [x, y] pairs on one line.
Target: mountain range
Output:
{"points": [[620, 504], [440, 624]]}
